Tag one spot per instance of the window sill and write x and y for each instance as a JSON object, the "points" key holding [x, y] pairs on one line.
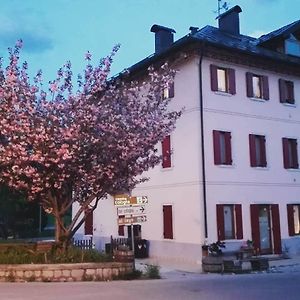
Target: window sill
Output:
{"points": [[232, 166], [261, 168], [226, 94], [289, 104], [293, 170], [167, 169], [258, 99]]}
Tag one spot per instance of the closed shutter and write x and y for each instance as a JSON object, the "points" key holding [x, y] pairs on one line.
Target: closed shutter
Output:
{"points": [[214, 77], [295, 154], [254, 211], [276, 228], [290, 217], [238, 221], [217, 148], [166, 152], [285, 148], [171, 90], [252, 150], [220, 222], [282, 90], [168, 221], [88, 223], [265, 89], [121, 230], [228, 148], [249, 84], [263, 151], [231, 77]]}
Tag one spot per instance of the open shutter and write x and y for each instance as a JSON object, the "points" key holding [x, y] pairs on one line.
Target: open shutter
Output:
{"points": [[228, 148], [231, 78], [168, 221], [291, 92], [249, 84], [295, 154], [282, 90], [254, 210], [263, 151], [88, 223], [252, 149], [214, 77], [171, 90], [265, 87], [238, 221], [285, 148], [217, 148], [220, 222], [276, 228], [166, 152], [290, 217]]}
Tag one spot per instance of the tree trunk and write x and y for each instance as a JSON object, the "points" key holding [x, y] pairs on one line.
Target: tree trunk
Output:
{"points": [[62, 237]]}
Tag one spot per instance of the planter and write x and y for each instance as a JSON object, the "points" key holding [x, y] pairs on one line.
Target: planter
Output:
{"points": [[212, 264]]}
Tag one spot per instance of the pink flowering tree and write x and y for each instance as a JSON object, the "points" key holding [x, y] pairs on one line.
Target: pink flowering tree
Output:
{"points": [[59, 147]]}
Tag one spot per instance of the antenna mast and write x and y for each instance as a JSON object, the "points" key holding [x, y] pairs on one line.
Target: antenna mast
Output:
{"points": [[221, 6]]}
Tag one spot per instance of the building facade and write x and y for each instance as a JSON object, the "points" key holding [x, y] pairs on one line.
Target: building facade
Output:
{"points": [[230, 169]]}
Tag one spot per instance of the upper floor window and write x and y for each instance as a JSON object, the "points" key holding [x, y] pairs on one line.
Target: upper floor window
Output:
{"points": [[293, 212], [222, 147], [257, 147], [290, 153], [222, 79], [257, 86], [166, 152], [286, 91], [168, 92], [292, 46]]}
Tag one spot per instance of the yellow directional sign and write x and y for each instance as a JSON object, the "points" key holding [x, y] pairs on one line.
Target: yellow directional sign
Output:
{"points": [[124, 200], [132, 220]]}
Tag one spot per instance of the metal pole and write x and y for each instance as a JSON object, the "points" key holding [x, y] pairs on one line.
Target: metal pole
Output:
{"points": [[132, 245]]}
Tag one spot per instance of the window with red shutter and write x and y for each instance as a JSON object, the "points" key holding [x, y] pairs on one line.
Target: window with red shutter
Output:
{"points": [[167, 222], [286, 91], [169, 92], [222, 79], [257, 148], [222, 147], [290, 153], [293, 214], [257, 86], [166, 152]]}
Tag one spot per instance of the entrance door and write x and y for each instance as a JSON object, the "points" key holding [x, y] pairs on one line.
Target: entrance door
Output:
{"points": [[265, 227], [264, 221]]}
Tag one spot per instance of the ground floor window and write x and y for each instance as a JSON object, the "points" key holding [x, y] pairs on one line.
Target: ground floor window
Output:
{"points": [[293, 211], [167, 222]]}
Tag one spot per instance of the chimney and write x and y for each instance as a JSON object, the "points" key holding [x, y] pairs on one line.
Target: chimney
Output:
{"points": [[163, 37], [229, 21]]}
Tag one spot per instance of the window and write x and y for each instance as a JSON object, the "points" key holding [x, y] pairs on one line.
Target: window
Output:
{"points": [[257, 147], [293, 211], [168, 221], [88, 224], [229, 221], [222, 147], [168, 92], [222, 79], [257, 86], [290, 153], [166, 152], [292, 46], [286, 91]]}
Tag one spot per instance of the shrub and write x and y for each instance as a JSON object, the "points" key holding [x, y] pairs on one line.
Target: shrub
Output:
{"points": [[152, 272]]}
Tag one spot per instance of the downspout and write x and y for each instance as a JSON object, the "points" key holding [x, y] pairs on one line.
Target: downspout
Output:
{"points": [[202, 139]]}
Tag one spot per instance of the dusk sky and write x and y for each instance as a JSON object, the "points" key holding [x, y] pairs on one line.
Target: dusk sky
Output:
{"points": [[54, 31]]}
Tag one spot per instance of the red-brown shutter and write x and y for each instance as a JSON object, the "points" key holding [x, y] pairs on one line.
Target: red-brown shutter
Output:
{"points": [[231, 78], [263, 151], [168, 221], [88, 223], [249, 84], [220, 222], [290, 217], [291, 92], [282, 90], [265, 87], [295, 154], [214, 77], [254, 210], [252, 150], [228, 148], [121, 230], [276, 228], [171, 90], [217, 148], [238, 221], [285, 147], [166, 152]]}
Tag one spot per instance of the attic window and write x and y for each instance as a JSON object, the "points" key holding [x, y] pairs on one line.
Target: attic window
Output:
{"points": [[292, 46]]}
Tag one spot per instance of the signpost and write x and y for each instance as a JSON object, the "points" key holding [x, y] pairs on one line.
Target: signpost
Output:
{"points": [[127, 220], [131, 210], [124, 200]]}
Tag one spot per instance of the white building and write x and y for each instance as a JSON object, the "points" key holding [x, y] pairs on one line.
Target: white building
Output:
{"points": [[230, 169]]}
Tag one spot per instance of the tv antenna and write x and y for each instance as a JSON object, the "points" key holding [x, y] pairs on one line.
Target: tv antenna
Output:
{"points": [[222, 6]]}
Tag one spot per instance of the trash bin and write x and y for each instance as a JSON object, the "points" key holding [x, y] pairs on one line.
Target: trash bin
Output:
{"points": [[141, 249]]}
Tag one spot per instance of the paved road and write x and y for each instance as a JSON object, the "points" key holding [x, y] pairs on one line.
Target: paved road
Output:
{"points": [[275, 286]]}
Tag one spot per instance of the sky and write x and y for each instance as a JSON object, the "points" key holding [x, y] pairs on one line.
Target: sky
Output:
{"points": [[54, 31]]}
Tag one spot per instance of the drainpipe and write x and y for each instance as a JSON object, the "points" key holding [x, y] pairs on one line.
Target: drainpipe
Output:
{"points": [[202, 139]]}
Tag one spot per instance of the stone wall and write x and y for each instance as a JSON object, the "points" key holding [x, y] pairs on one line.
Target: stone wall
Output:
{"points": [[64, 272]]}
